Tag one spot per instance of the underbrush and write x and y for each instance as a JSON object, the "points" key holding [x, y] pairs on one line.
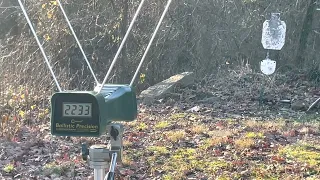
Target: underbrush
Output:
{"points": [[20, 107]]}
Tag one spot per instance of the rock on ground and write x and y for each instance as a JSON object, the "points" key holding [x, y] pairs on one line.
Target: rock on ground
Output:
{"points": [[161, 89]]}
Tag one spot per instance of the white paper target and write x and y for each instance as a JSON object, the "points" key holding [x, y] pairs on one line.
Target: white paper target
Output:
{"points": [[268, 66], [273, 33]]}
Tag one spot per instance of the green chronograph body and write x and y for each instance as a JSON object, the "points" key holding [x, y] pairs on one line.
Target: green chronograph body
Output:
{"points": [[87, 113]]}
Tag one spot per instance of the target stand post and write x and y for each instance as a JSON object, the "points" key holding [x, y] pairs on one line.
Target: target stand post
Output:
{"points": [[273, 38]]}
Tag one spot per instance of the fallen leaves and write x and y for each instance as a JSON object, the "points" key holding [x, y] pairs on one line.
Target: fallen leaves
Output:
{"points": [[174, 148], [217, 139], [277, 158]]}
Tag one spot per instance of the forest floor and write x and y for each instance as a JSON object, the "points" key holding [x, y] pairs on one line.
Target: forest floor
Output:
{"points": [[222, 127]]}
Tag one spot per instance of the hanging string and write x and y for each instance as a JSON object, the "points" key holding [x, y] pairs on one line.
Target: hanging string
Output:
{"points": [[75, 36], [267, 55], [150, 43], [40, 46], [121, 45]]}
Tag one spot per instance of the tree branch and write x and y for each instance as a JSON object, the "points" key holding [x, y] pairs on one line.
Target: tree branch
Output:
{"points": [[314, 104]]}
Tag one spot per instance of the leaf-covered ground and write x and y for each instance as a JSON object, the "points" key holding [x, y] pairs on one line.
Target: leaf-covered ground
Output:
{"points": [[217, 129], [172, 144], [179, 145]]}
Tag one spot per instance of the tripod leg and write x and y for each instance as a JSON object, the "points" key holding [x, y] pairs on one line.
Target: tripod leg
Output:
{"points": [[99, 174], [110, 175]]}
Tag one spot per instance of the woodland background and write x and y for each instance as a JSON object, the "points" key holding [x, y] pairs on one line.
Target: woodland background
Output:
{"points": [[203, 36]]}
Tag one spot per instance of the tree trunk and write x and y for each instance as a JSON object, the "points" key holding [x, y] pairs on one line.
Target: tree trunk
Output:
{"points": [[306, 29], [124, 57]]}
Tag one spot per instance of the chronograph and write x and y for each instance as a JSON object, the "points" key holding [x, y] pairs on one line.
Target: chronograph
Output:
{"points": [[87, 113], [76, 114]]}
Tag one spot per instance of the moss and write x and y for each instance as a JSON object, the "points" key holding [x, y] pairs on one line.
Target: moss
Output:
{"points": [[142, 126], [8, 168], [175, 136], [258, 135], [162, 124], [177, 116], [168, 177], [304, 153], [244, 143], [197, 129], [158, 149]]}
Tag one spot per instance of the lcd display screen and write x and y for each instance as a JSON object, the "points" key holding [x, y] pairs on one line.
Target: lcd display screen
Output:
{"points": [[77, 109]]}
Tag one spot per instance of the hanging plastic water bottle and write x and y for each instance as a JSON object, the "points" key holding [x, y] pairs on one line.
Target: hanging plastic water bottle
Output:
{"points": [[273, 33]]}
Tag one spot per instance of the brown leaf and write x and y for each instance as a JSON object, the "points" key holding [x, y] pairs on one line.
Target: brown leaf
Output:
{"points": [[277, 158], [126, 172], [291, 133]]}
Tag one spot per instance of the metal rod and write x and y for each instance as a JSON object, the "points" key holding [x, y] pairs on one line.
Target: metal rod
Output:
{"points": [[150, 43], [39, 44], [77, 40], [111, 174], [121, 45], [99, 174], [113, 162]]}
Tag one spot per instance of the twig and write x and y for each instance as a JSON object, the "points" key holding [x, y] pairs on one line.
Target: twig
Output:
{"points": [[314, 104], [8, 7]]}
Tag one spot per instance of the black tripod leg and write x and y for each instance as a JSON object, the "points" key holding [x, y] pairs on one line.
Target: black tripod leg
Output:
{"points": [[111, 174]]}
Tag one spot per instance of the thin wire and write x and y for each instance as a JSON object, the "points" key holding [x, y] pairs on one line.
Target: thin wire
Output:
{"points": [[121, 45], [39, 44], [150, 43], [75, 36]]}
